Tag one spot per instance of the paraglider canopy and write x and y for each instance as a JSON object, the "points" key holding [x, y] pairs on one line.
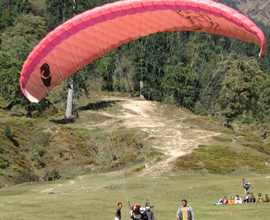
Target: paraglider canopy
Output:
{"points": [[88, 36]]}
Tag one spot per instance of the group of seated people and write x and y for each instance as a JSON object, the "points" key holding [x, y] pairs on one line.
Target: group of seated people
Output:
{"points": [[247, 199]]}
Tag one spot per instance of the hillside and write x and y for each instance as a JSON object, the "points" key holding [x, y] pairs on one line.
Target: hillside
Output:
{"points": [[111, 129], [256, 10]]}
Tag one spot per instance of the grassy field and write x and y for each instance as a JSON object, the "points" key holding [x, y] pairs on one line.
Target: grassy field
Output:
{"points": [[155, 137], [94, 197]]}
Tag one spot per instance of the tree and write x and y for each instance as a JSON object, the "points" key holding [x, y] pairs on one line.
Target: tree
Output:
{"points": [[17, 42], [57, 12], [178, 82], [241, 89], [24, 36], [124, 69], [11, 11], [105, 69]]}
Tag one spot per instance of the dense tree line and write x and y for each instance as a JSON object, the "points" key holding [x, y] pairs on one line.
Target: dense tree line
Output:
{"points": [[207, 74]]}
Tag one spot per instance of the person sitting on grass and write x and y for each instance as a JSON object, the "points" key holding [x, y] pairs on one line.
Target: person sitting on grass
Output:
{"points": [[266, 199], [246, 198], [231, 200], [260, 198], [225, 200], [252, 198], [222, 201], [238, 200]]}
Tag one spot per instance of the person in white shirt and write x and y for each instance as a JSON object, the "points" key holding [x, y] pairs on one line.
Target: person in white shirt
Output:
{"points": [[238, 200]]}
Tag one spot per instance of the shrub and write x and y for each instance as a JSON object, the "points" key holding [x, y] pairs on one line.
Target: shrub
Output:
{"points": [[140, 168], [259, 147], [27, 176], [8, 133], [41, 152], [245, 120], [2, 150], [51, 175], [3, 163], [187, 162], [2, 185], [216, 159], [7, 176], [88, 161], [41, 163], [40, 138], [152, 153], [54, 110], [221, 139], [34, 156], [158, 159]]}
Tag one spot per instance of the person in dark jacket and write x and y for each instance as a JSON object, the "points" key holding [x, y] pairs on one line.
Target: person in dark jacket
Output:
{"points": [[185, 212], [252, 198]]}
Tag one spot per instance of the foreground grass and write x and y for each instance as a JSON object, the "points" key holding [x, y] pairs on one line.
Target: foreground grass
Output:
{"points": [[94, 197]]}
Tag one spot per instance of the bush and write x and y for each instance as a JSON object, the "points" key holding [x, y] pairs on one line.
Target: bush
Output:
{"points": [[216, 159], [55, 110], [8, 133], [41, 153], [187, 162], [221, 139], [7, 176], [2, 150], [3, 163], [2, 185], [153, 153], [138, 169], [40, 138], [27, 176], [41, 163], [51, 175], [88, 161], [34, 156], [259, 147], [245, 120]]}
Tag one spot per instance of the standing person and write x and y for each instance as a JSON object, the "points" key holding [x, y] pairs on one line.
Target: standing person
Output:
{"points": [[245, 185], [149, 213], [185, 212], [118, 211]]}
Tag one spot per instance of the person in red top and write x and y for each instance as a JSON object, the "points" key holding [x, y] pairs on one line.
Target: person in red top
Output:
{"points": [[222, 201]]}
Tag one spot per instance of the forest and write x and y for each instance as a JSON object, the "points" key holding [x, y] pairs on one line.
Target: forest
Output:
{"points": [[210, 75]]}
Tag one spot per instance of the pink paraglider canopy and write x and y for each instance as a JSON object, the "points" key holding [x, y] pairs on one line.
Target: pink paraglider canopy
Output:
{"points": [[88, 36]]}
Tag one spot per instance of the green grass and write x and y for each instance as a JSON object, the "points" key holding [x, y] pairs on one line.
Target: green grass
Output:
{"points": [[138, 169], [222, 139], [95, 197], [219, 159], [79, 148]]}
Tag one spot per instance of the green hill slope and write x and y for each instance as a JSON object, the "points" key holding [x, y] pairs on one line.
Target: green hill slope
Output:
{"points": [[112, 131]]}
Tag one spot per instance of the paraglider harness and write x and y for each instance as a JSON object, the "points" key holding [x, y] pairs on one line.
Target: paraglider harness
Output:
{"points": [[138, 213]]}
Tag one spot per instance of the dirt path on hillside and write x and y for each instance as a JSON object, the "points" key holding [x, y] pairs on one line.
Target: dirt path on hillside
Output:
{"points": [[171, 137]]}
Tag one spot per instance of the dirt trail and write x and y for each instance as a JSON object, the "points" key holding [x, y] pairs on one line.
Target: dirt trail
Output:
{"points": [[171, 137]]}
